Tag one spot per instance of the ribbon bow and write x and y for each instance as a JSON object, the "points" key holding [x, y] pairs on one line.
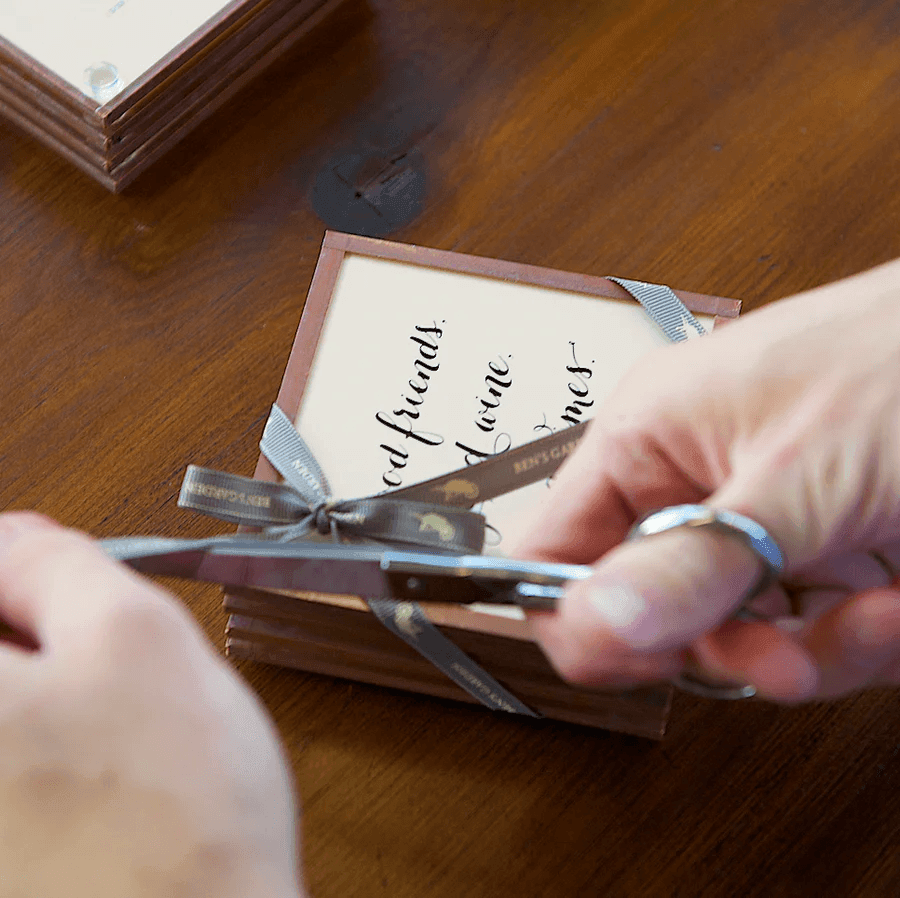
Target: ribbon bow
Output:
{"points": [[304, 504]]}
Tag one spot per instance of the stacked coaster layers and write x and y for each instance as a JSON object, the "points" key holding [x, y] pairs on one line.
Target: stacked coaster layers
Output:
{"points": [[338, 637], [114, 141]]}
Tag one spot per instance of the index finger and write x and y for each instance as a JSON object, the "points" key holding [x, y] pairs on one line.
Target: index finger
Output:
{"points": [[52, 578], [612, 479]]}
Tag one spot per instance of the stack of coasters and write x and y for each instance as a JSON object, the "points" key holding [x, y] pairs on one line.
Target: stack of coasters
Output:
{"points": [[111, 85], [410, 363]]}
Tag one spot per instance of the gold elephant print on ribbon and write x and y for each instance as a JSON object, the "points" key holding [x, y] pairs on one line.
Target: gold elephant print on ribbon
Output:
{"points": [[403, 620], [454, 490], [431, 522]]}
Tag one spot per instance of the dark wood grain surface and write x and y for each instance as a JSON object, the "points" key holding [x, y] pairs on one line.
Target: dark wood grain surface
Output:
{"points": [[737, 149]]}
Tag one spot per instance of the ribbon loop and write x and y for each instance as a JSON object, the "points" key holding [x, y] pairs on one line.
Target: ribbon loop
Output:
{"points": [[303, 504], [293, 459]]}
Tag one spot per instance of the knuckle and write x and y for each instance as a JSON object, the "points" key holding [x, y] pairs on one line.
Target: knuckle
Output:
{"points": [[31, 520], [576, 662], [32, 546], [39, 561], [142, 616], [636, 389], [148, 640], [630, 443], [46, 549]]}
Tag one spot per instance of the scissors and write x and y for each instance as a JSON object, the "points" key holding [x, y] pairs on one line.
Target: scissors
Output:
{"points": [[351, 569], [371, 572]]}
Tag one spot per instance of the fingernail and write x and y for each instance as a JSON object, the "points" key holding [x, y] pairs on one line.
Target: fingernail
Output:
{"points": [[623, 611], [789, 624], [875, 623], [796, 674]]}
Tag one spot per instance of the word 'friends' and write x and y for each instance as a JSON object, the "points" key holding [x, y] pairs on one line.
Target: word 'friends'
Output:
{"points": [[403, 419]]}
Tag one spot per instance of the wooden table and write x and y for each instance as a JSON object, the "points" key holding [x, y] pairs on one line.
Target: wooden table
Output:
{"points": [[747, 150]]}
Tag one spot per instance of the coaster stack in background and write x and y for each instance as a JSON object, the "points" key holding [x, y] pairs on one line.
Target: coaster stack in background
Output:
{"points": [[115, 140]]}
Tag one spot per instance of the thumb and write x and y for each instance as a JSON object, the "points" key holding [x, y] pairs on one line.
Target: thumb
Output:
{"points": [[649, 600]]}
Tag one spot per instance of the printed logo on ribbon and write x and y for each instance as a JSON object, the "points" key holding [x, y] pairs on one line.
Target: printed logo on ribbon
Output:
{"points": [[435, 523]]}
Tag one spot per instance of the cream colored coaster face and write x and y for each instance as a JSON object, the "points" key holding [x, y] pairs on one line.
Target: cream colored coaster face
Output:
{"points": [[420, 371], [85, 42]]}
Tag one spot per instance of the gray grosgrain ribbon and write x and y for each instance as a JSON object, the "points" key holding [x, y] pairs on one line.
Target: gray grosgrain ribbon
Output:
{"points": [[408, 621], [304, 503], [664, 307]]}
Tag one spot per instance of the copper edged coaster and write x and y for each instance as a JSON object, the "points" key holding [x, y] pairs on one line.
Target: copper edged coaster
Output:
{"points": [[337, 635]]}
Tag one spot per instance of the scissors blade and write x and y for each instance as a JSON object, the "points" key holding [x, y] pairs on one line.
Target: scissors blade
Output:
{"points": [[263, 564], [366, 571]]}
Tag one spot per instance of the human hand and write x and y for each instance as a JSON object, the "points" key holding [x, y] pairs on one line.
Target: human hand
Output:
{"points": [[790, 416], [133, 762]]}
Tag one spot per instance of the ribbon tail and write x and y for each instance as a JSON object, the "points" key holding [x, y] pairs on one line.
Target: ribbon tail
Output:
{"points": [[664, 307], [293, 459], [408, 621]]}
